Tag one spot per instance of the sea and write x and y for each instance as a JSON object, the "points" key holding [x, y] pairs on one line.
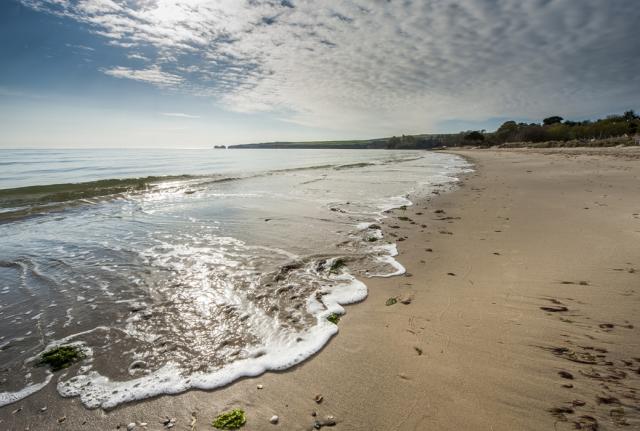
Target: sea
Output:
{"points": [[172, 269]]}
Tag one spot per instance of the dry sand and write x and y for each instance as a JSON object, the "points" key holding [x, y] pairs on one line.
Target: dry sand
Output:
{"points": [[474, 349]]}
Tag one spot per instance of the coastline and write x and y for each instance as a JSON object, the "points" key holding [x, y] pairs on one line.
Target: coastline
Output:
{"points": [[472, 350]]}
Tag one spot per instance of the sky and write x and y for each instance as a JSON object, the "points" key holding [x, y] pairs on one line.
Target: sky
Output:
{"points": [[197, 73]]}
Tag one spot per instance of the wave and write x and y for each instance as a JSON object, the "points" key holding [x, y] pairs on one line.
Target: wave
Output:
{"points": [[23, 202]]}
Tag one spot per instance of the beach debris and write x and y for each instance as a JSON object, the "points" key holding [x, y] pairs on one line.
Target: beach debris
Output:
{"points": [[451, 274], [62, 419], [586, 423], [406, 300], [318, 398], [571, 355], [333, 318], [314, 413], [557, 309], [391, 301], [565, 375], [439, 211], [131, 426], [274, 419], [43, 409], [168, 422], [607, 400], [329, 421], [230, 420], [560, 412], [428, 250], [18, 410], [259, 386], [61, 357], [418, 350]]}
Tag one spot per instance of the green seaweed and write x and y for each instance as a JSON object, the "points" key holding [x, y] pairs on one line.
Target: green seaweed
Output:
{"points": [[230, 420], [333, 318], [61, 357], [336, 265], [391, 301]]}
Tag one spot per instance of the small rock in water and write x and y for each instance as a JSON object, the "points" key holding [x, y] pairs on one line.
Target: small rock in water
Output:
{"points": [[318, 398], [274, 419]]}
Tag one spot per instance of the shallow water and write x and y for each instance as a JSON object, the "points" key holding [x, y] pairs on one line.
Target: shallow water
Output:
{"points": [[227, 268]]}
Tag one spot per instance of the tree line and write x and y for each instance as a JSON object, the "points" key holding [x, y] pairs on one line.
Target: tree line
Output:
{"points": [[553, 128]]}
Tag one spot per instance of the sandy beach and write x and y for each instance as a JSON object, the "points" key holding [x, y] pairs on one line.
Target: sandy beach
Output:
{"points": [[520, 310]]}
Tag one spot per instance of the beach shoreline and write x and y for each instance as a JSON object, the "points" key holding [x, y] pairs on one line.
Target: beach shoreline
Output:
{"points": [[520, 283]]}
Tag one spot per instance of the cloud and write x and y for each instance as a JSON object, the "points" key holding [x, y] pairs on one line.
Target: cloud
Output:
{"points": [[179, 115], [152, 75], [136, 56], [378, 65], [82, 47]]}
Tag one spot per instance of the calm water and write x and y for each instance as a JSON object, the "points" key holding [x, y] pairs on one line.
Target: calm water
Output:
{"points": [[175, 269]]}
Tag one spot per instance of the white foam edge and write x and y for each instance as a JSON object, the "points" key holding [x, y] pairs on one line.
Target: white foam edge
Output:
{"points": [[281, 351], [391, 251], [7, 398]]}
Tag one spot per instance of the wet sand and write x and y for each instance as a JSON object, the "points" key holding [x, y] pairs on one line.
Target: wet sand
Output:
{"points": [[520, 311]]}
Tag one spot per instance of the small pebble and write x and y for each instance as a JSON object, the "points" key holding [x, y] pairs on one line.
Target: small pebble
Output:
{"points": [[131, 426], [318, 398], [274, 419], [43, 409], [330, 421], [259, 386], [62, 419]]}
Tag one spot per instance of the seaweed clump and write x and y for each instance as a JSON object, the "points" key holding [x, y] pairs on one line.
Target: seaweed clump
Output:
{"points": [[61, 357], [337, 265], [391, 301], [230, 420], [333, 318]]}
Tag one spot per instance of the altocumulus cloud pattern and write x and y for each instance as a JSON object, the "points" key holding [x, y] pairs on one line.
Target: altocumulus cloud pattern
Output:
{"points": [[376, 64]]}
